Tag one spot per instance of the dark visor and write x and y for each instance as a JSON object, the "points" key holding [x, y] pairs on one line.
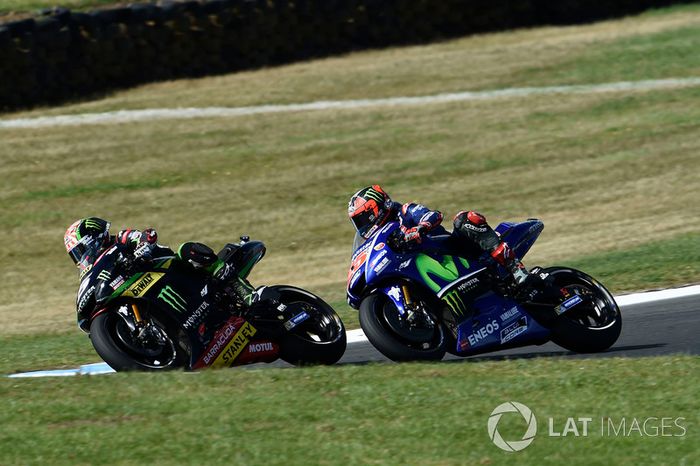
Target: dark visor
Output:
{"points": [[363, 222]]}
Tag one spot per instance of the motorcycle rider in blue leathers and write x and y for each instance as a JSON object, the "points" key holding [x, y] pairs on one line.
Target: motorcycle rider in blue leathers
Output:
{"points": [[371, 208]]}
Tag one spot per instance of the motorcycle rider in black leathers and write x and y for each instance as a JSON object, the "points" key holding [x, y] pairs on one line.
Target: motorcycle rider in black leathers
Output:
{"points": [[371, 208], [86, 239]]}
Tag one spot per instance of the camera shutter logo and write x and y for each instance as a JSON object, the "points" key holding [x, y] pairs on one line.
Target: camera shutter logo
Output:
{"points": [[513, 445]]}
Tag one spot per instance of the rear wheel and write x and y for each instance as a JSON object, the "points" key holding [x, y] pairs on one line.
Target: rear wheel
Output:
{"points": [[594, 324], [320, 339], [400, 338], [125, 346]]}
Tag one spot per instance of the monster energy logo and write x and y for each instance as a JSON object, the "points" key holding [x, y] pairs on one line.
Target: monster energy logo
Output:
{"points": [[173, 299], [454, 300], [374, 194], [92, 224], [104, 275]]}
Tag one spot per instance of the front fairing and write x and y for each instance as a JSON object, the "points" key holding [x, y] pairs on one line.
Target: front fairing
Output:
{"points": [[375, 262], [94, 284]]}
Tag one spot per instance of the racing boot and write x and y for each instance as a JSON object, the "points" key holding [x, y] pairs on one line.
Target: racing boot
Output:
{"points": [[504, 255]]}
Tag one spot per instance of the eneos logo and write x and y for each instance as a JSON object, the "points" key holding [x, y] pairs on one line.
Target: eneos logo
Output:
{"points": [[513, 445]]}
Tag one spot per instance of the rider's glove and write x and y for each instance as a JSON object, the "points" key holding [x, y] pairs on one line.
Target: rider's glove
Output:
{"points": [[413, 235], [143, 252], [149, 235], [146, 243]]}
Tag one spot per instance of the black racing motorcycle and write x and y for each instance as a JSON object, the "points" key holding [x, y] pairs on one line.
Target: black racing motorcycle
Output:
{"points": [[166, 315]]}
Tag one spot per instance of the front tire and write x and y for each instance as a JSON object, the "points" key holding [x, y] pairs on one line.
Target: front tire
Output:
{"points": [[122, 351], [591, 326], [377, 318], [321, 339]]}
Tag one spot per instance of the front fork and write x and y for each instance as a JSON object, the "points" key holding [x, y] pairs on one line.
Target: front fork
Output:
{"points": [[140, 327], [400, 296]]}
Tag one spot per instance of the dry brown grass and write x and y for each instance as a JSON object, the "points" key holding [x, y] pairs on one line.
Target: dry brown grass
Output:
{"points": [[605, 172], [480, 62]]}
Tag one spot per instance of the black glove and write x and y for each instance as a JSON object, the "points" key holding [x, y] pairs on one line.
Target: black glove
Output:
{"points": [[143, 252]]}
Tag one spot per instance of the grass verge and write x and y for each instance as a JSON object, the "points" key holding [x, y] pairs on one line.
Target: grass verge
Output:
{"points": [[358, 414]]}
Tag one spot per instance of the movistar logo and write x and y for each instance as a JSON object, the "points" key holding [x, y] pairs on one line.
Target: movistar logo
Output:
{"points": [[454, 300], [374, 194], [173, 299]]}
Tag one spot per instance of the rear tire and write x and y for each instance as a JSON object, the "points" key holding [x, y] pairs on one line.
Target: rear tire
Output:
{"points": [[319, 340], [589, 327], [390, 344], [109, 336]]}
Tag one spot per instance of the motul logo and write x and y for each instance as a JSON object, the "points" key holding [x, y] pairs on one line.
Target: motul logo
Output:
{"points": [[258, 347]]}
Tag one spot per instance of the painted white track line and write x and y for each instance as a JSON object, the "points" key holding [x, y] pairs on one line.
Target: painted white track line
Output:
{"points": [[357, 336], [128, 116]]}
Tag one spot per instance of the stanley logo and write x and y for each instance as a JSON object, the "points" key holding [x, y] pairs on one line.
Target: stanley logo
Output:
{"points": [[235, 346], [143, 285]]}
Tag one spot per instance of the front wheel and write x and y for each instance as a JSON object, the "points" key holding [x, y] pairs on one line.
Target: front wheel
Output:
{"points": [[126, 348], [399, 338], [320, 339], [591, 326]]}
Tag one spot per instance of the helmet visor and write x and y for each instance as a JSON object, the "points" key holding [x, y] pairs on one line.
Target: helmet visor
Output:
{"points": [[85, 252], [365, 222]]}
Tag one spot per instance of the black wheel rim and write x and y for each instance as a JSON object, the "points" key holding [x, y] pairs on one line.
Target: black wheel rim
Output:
{"points": [[597, 311], [321, 326], [423, 334], [149, 353]]}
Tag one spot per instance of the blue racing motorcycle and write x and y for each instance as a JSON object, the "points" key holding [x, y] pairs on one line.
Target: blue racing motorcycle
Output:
{"points": [[417, 302]]}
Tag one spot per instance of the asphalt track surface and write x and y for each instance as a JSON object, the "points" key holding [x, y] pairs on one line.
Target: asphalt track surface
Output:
{"points": [[666, 325], [670, 326]]}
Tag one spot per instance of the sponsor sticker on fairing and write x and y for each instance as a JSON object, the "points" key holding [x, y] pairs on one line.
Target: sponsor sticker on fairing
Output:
{"points": [[382, 265], [378, 258], [514, 329], [296, 320], [510, 313], [117, 282], [405, 264], [260, 347], [197, 316], [568, 304], [483, 332], [234, 348]]}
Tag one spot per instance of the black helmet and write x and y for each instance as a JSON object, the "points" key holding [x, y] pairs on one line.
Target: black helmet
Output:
{"points": [[85, 238], [368, 210]]}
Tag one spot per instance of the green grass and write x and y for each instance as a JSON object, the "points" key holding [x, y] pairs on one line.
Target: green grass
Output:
{"points": [[376, 413], [614, 177], [657, 264], [30, 6], [661, 44]]}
